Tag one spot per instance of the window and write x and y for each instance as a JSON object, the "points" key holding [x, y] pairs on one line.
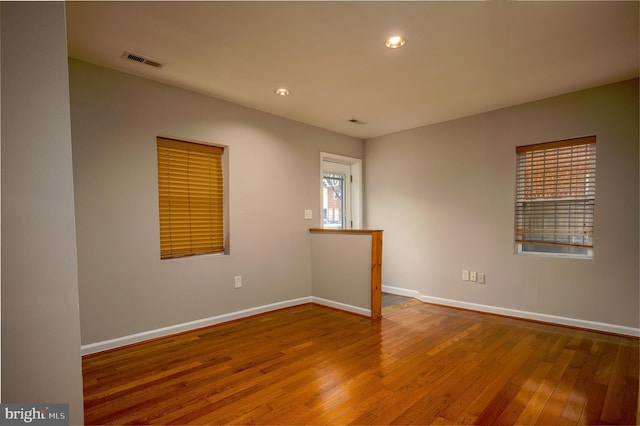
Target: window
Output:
{"points": [[341, 191], [190, 193], [336, 197], [555, 197]]}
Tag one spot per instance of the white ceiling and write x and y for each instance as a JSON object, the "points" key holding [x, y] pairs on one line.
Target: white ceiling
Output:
{"points": [[461, 58]]}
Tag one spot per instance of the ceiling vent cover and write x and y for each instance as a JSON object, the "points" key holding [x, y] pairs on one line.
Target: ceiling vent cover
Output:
{"points": [[356, 121], [141, 59]]}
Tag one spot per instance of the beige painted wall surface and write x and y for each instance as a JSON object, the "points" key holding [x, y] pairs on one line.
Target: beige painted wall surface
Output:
{"points": [[40, 316], [273, 176], [341, 268], [444, 194]]}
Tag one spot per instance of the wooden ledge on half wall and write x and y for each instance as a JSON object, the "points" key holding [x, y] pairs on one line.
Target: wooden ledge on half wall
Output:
{"points": [[345, 231]]}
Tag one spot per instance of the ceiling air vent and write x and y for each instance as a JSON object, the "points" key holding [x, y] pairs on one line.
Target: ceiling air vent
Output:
{"points": [[141, 59], [356, 121]]}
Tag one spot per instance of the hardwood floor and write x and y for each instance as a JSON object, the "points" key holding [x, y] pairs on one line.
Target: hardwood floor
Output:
{"points": [[392, 303], [423, 364]]}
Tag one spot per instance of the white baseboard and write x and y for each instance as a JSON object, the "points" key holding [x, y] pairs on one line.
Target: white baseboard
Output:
{"points": [[572, 322], [192, 325], [341, 306], [400, 291]]}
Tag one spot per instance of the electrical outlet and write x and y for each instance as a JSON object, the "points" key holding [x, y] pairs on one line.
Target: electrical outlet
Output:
{"points": [[465, 275], [481, 278], [473, 276], [237, 281]]}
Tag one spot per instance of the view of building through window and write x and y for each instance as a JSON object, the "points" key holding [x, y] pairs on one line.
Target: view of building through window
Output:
{"points": [[341, 191], [333, 192]]}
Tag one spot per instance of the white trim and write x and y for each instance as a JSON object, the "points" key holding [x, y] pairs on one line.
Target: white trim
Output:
{"points": [[588, 256], [400, 291], [341, 306], [355, 205], [336, 158], [591, 325], [192, 325]]}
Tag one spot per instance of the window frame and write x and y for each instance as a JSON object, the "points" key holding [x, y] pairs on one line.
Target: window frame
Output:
{"points": [[340, 173], [354, 183], [555, 198], [216, 183]]}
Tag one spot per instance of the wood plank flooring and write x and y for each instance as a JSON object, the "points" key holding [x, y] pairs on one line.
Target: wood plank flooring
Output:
{"points": [[392, 303], [424, 364]]}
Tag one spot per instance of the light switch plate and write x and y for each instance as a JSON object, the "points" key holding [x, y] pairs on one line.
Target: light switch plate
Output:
{"points": [[308, 214]]}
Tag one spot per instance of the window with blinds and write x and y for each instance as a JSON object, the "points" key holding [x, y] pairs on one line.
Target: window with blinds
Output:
{"points": [[190, 192], [555, 197]]}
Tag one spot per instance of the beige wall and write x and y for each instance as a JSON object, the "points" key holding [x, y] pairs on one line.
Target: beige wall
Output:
{"points": [[341, 269], [273, 177], [450, 185], [444, 195], [40, 317]]}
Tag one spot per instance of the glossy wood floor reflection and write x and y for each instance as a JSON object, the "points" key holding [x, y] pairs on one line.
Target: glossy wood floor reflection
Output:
{"points": [[423, 364]]}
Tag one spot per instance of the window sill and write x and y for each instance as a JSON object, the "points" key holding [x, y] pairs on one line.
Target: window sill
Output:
{"points": [[556, 255]]}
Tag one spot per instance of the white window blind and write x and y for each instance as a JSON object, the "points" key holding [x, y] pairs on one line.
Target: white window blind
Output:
{"points": [[555, 194], [190, 193]]}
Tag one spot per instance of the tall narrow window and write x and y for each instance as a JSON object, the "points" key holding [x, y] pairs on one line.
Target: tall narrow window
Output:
{"points": [[334, 213], [190, 192], [555, 197]]}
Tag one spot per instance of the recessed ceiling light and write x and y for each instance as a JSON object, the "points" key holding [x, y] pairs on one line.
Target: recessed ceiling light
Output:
{"points": [[282, 92], [394, 42]]}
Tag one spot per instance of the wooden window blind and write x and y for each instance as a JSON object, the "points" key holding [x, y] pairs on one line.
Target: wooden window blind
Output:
{"points": [[190, 192], [555, 193]]}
